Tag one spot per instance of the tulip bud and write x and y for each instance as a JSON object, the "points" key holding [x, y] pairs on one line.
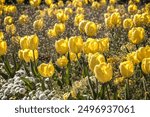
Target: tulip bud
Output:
{"points": [[33, 42], [35, 3], [62, 62], [24, 42], [3, 48]]}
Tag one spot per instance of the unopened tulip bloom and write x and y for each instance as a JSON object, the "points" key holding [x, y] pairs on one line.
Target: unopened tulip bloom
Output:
{"points": [[62, 61], [24, 42], [23, 19], [38, 24], [3, 48], [33, 42], [35, 3]]}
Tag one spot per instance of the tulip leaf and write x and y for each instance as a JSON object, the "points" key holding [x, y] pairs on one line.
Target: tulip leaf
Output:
{"points": [[30, 85], [5, 76]]}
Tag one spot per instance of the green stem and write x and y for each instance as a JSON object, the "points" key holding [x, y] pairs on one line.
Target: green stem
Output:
{"points": [[91, 88], [103, 91], [127, 89], [108, 96]]}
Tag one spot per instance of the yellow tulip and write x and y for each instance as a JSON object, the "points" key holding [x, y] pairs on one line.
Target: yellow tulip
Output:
{"points": [[23, 19], [1, 36], [82, 25], [146, 65], [61, 46], [51, 33], [103, 45], [95, 5], [8, 20], [38, 24], [138, 20], [66, 96], [127, 23], [132, 57], [11, 29], [62, 61], [62, 17], [95, 59], [73, 56], [2, 1], [91, 29], [92, 46], [78, 19], [115, 19], [60, 3], [126, 69], [146, 19], [75, 44], [35, 3], [59, 28], [20, 1], [143, 52], [110, 9], [68, 11], [108, 22], [77, 3], [20, 54], [24, 42], [33, 42], [103, 72], [30, 55], [46, 70], [103, 2], [132, 9], [112, 1], [3, 48], [49, 2], [79, 10], [136, 35]]}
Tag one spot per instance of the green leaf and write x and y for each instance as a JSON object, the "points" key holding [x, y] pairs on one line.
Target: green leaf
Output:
{"points": [[30, 85], [5, 76]]}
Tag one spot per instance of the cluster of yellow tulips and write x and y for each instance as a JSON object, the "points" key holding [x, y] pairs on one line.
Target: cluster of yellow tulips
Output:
{"points": [[100, 55]]}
